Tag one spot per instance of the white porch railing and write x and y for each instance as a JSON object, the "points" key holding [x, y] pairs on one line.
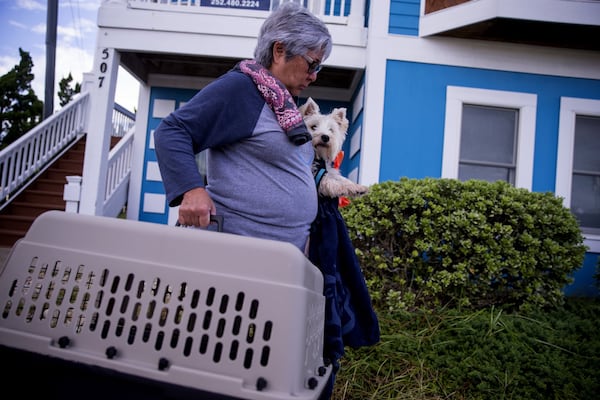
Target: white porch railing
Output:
{"points": [[26, 158]]}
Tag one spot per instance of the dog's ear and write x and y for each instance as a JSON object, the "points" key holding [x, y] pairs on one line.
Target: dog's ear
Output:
{"points": [[309, 108], [340, 117]]}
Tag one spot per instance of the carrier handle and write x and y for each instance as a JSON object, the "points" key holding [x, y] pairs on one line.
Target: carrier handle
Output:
{"points": [[214, 219]]}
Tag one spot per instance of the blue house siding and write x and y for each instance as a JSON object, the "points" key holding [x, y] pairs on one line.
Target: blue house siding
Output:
{"points": [[584, 284], [414, 115], [404, 17]]}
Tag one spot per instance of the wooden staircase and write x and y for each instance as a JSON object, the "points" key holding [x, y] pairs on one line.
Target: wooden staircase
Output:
{"points": [[44, 194]]}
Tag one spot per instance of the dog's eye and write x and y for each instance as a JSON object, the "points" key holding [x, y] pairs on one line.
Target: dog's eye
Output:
{"points": [[313, 127]]}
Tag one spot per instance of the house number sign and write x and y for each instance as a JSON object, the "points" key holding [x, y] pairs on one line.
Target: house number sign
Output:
{"points": [[103, 66], [264, 5]]}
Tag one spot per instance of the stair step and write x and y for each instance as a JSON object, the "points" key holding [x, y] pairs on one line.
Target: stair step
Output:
{"points": [[53, 173], [8, 237], [20, 223], [45, 194], [69, 164], [44, 197], [53, 185], [33, 209]]}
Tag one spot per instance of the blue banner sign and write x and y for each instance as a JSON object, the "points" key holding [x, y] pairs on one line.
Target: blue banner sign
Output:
{"points": [[264, 5]]}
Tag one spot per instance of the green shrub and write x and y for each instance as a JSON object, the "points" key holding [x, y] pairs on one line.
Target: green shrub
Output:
{"points": [[474, 243]]}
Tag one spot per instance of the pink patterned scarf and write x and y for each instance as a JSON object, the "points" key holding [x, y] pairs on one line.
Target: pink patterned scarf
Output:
{"points": [[279, 99]]}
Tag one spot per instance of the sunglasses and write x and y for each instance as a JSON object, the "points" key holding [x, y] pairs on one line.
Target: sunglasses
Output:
{"points": [[313, 65]]}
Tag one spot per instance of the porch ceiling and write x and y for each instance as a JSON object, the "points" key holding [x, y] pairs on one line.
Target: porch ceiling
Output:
{"points": [[340, 82], [541, 33]]}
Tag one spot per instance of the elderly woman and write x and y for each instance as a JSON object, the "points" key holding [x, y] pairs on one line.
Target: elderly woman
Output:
{"points": [[259, 151]]}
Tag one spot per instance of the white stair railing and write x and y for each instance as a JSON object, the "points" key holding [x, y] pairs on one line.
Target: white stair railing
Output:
{"points": [[118, 172], [23, 160]]}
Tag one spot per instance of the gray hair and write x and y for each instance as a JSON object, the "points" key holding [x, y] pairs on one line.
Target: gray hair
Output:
{"points": [[297, 29]]}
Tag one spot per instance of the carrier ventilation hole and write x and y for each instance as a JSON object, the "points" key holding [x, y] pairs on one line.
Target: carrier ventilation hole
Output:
{"points": [[178, 315], [115, 284], [13, 288], [223, 305], [103, 277], [42, 272], [50, 290], [168, 294], [195, 298], [36, 292], [140, 289], [68, 316], [26, 285], [159, 341], [174, 338], [74, 294], [85, 301], [191, 322], [124, 304], [120, 327], [79, 273], [44, 313], [210, 297], [99, 298], [155, 286], [110, 306], [90, 280], [182, 291], [66, 275], [129, 282], [164, 314], [60, 297], [137, 310], [33, 264], [94, 322], [80, 323], [131, 336]]}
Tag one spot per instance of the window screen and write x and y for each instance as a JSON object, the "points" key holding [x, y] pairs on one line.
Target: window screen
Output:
{"points": [[585, 188], [488, 141]]}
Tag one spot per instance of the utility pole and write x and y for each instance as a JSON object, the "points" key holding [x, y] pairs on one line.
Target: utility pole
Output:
{"points": [[51, 22]]}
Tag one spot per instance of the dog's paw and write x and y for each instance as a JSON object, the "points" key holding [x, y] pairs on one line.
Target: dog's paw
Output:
{"points": [[334, 185], [357, 190]]}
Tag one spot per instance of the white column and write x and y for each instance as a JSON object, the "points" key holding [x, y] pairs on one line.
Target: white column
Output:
{"points": [[102, 95]]}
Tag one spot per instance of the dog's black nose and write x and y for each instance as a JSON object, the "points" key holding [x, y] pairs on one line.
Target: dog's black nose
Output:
{"points": [[325, 138]]}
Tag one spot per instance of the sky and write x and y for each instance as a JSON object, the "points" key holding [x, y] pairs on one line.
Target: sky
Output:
{"points": [[23, 25]]}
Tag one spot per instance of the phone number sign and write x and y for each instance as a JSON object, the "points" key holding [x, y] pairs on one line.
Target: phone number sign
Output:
{"points": [[264, 5]]}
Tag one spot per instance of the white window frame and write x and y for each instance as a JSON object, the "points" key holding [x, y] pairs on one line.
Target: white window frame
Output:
{"points": [[525, 103], [569, 109]]}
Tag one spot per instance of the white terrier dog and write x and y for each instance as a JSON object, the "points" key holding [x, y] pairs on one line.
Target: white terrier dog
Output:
{"points": [[328, 135]]}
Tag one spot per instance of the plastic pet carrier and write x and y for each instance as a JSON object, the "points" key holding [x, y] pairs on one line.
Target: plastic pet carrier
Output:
{"points": [[98, 307]]}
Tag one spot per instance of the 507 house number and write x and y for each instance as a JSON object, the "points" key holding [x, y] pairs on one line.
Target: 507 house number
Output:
{"points": [[103, 67]]}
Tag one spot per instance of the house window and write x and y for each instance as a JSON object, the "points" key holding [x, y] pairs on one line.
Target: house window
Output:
{"points": [[488, 143], [585, 189], [489, 135], [578, 163]]}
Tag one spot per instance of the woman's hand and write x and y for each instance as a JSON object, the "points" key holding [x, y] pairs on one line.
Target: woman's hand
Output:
{"points": [[196, 208]]}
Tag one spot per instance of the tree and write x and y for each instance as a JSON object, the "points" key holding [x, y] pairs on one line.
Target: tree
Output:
{"points": [[20, 108], [66, 92]]}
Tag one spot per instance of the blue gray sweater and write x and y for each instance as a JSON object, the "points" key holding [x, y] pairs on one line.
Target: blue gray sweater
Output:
{"points": [[259, 179]]}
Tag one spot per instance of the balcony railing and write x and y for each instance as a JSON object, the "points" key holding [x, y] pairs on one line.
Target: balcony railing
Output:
{"points": [[331, 11]]}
